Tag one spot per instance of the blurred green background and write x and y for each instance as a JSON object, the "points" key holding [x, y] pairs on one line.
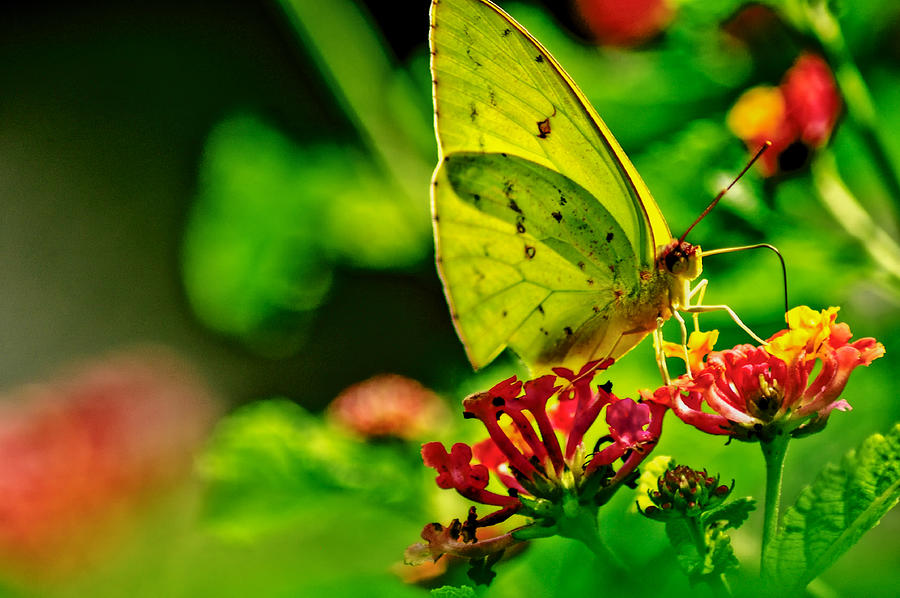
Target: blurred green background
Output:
{"points": [[245, 185]]}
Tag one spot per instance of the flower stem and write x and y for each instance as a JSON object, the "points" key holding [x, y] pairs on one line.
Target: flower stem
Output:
{"points": [[717, 583], [773, 452]]}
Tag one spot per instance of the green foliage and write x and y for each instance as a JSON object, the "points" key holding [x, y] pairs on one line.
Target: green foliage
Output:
{"points": [[844, 502], [272, 221], [267, 461], [732, 514], [702, 547], [454, 592]]}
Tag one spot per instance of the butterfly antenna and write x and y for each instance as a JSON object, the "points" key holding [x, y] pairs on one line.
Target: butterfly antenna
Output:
{"points": [[721, 193], [759, 246]]}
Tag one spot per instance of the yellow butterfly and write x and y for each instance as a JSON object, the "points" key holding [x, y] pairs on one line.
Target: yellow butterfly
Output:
{"points": [[548, 241]]}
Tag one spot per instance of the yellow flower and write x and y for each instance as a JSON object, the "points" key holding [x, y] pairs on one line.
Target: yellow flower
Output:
{"points": [[807, 335], [698, 346]]}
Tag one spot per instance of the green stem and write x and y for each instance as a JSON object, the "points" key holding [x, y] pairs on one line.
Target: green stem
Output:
{"points": [[773, 452], [849, 213], [717, 583]]}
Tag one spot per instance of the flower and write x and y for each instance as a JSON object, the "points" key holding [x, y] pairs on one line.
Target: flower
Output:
{"points": [[388, 406], [797, 117], [684, 492], [80, 455], [753, 392], [538, 453], [617, 23]]}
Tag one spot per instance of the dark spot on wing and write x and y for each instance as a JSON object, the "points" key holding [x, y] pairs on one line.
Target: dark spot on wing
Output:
{"points": [[544, 332], [596, 309], [476, 198], [504, 154], [556, 216], [581, 265], [590, 281], [618, 293], [562, 199], [540, 308], [469, 52], [609, 236], [436, 218], [503, 313], [520, 228], [513, 205], [529, 252], [507, 191], [539, 58], [543, 128], [506, 32], [491, 96], [568, 331], [612, 268], [473, 111]]}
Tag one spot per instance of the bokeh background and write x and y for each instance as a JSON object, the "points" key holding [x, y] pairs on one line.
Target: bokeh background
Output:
{"points": [[214, 220]]}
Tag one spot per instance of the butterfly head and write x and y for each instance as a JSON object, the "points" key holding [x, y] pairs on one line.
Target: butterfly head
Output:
{"points": [[681, 259]]}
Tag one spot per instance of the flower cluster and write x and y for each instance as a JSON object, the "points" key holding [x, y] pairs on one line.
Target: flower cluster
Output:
{"points": [[682, 491], [755, 393], [798, 116], [538, 453], [387, 406]]}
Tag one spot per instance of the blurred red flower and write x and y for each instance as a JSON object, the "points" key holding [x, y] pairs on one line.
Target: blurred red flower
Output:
{"points": [[388, 405], [798, 116], [78, 453], [618, 23]]}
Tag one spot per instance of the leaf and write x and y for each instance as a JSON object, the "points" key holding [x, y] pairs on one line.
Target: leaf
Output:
{"points": [[454, 592], [269, 461], [717, 555], [733, 513], [844, 502]]}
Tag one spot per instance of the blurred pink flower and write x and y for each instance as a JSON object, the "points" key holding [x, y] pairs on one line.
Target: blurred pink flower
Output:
{"points": [[388, 405], [77, 452]]}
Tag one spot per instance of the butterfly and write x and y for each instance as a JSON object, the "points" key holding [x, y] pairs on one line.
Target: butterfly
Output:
{"points": [[547, 240]]}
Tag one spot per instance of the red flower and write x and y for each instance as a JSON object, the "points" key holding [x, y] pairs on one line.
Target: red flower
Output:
{"points": [[798, 114], [388, 405], [525, 453], [618, 23], [752, 392]]}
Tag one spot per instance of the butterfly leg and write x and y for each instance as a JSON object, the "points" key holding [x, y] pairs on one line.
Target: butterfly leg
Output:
{"points": [[660, 355], [684, 337], [699, 291], [699, 309]]}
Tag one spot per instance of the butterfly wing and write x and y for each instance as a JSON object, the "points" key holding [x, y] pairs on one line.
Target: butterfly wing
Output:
{"points": [[543, 226]]}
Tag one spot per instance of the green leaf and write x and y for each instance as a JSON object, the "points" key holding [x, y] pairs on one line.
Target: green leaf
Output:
{"points": [[844, 502], [682, 539], [269, 461], [733, 513], [454, 592]]}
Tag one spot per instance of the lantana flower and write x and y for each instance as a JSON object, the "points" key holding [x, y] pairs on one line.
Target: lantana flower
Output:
{"points": [[387, 406], [625, 24], [792, 384], [537, 451], [797, 117]]}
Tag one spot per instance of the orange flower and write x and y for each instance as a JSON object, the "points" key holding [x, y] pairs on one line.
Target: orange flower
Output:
{"points": [[798, 116]]}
